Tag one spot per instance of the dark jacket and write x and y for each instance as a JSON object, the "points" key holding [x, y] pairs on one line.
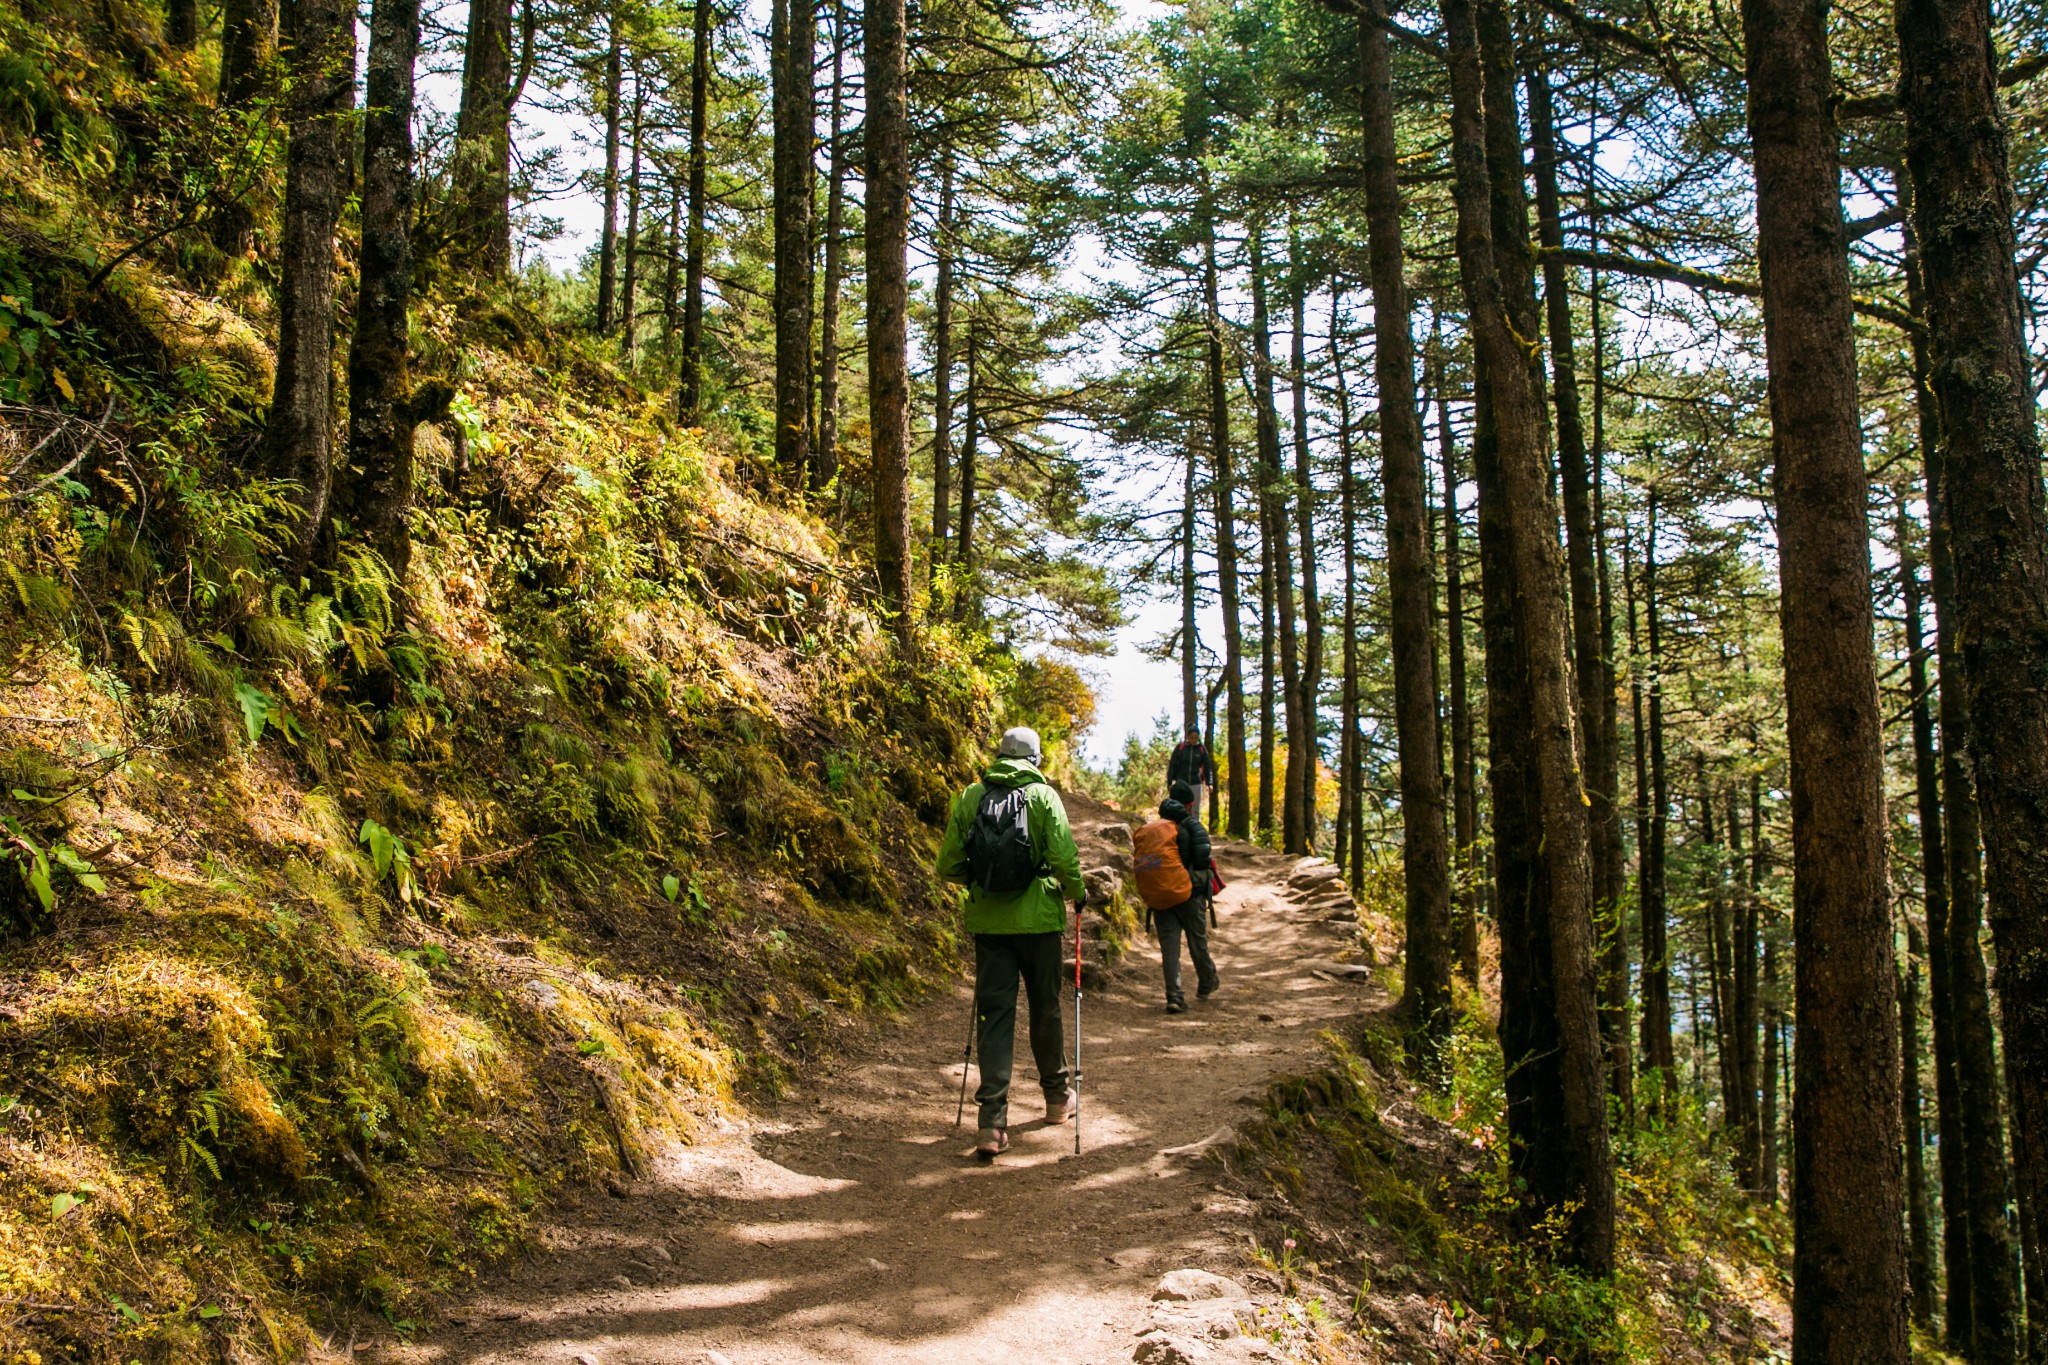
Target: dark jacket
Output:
{"points": [[1190, 763], [1192, 839]]}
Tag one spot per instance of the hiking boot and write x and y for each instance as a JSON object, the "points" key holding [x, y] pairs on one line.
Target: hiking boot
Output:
{"points": [[990, 1143], [1176, 1005], [1209, 988], [1061, 1109]]}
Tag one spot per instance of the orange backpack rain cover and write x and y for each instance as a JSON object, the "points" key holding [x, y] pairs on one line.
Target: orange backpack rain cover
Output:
{"points": [[1162, 881]]}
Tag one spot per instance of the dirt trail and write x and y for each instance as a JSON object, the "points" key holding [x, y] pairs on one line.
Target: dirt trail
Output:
{"points": [[850, 1223]]}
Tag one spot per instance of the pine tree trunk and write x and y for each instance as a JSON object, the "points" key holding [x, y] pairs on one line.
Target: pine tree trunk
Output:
{"points": [[690, 389], [1268, 693], [1955, 1225], [1222, 484], [608, 234], [1919, 1232], [1464, 773], [248, 44], [1278, 593], [1747, 927], [1310, 688], [671, 296], [1957, 154], [1190, 644], [966, 599], [825, 459], [181, 24], [1849, 1264], [629, 287], [1768, 1101], [298, 441], [888, 282], [1349, 769], [381, 416], [1616, 1019], [1994, 1288], [942, 366], [481, 166], [1410, 575], [1659, 1059], [1557, 1097], [1594, 666], [795, 101]]}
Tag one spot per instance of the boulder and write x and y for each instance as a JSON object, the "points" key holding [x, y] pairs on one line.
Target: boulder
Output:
{"points": [[1102, 884], [1115, 833], [1189, 1285]]}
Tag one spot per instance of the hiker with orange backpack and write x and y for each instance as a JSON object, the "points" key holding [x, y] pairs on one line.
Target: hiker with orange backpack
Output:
{"points": [[1176, 878]]}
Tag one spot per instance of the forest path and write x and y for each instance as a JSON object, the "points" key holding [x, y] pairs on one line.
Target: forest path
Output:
{"points": [[850, 1222]]}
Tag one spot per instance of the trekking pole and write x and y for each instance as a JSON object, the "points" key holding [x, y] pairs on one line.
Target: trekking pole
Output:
{"points": [[966, 1056], [1077, 1031]]}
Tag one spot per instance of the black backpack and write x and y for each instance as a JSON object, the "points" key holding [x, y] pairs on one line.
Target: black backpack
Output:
{"points": [[999, 856]]}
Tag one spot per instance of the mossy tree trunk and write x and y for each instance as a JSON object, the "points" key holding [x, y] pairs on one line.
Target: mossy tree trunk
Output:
{"points": [[298, 441], [1410, 574], [1849, 1264]]}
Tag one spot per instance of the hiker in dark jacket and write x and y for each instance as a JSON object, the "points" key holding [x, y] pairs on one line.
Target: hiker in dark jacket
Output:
{"points": [[1190, 763], [1017, 933], [1191, 917]]}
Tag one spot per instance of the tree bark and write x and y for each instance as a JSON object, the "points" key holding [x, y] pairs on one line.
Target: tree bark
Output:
{"points": [[1425, 859], [608, 235], [1955, 1185], [181, 24], [481, 170], [942, 366], [248, 45], [1277, 599], [1849, 1270], [1747, 926], [888, 282], [1957, 154], [690, 389], [1919, 1232], [967, 600], [1615, 1009], [1593, 664], [1464, 774], [1557, 1102], [1349, 775], [672, 259], [1268, 693], [1659, 1058], [381, 412], [825, 459], [1222, 485], [1768, 1101], [1190, 644], [795, 100], [1309, 690], [629, 287], [298, 441]]}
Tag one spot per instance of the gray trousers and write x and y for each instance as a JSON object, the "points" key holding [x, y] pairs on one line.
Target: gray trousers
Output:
{"points": [[1000, 960], [1191, 918]]}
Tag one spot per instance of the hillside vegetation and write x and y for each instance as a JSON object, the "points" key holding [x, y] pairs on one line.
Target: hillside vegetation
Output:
{"points": [[343, 918]]}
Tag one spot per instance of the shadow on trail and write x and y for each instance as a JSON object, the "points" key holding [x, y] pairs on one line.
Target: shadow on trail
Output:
{"points": [[853, 1225]]}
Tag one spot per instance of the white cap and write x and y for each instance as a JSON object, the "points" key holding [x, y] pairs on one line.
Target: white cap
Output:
{"points": [[1019, 741]]}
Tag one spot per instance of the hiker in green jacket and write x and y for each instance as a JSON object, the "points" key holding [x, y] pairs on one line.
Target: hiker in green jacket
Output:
{"points": [[1008, 842]]}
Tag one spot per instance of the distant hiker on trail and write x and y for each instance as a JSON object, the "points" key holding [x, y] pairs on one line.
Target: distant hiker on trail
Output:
{"points": [[1177, 879], [1008, 842], [1191, 764]]}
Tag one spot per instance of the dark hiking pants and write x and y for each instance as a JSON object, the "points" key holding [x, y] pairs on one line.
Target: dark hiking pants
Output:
{"points": [[999, 961], [1190, 918]]}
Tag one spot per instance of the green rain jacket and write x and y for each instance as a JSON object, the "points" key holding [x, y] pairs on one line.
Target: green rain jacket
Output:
{"points": [[1039, 908]]}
